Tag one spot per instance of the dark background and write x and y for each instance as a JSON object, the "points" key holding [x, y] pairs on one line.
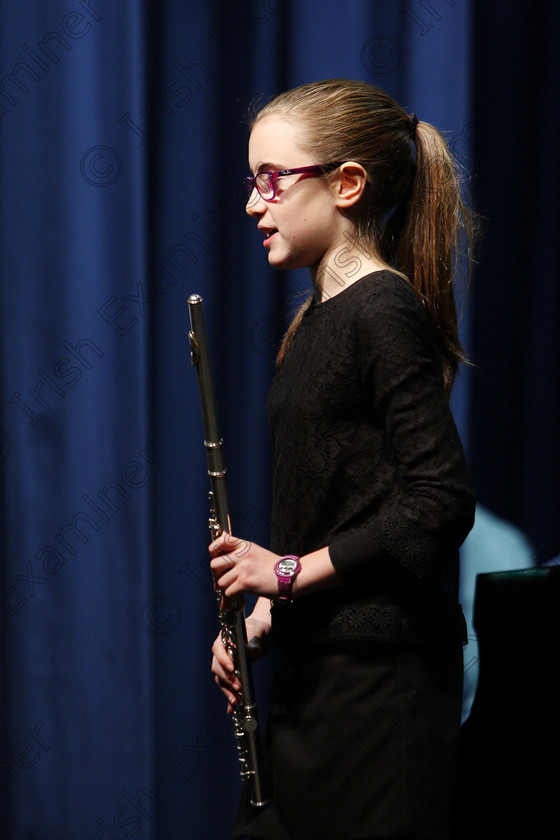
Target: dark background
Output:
{"points": [[123, 145]]}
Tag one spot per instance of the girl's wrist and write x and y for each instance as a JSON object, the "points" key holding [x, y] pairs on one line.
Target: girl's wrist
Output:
{"points": [[317, 572], [261, 611]]}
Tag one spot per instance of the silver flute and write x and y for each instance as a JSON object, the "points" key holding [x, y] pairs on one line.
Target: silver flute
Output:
{"points": [[232, 610]]}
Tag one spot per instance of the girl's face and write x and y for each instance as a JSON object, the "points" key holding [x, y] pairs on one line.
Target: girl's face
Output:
{"points": [[302, 223]]}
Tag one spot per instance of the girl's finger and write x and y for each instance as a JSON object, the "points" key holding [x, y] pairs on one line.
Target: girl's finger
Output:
{"points": [[225, 542]]}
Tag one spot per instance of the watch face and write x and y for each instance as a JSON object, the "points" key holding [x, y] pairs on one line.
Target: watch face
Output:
{"points": [[287, 566]]}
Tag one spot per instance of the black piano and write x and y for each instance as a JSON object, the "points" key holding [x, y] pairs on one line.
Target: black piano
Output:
{"points": [[509, 762]]}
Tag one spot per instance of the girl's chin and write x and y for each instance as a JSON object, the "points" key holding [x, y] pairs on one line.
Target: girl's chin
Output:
{"points": [[276, 259], [285, 261], [278, 262]]}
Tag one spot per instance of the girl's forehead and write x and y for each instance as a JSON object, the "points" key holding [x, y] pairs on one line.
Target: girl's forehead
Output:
{"points": [[276, 139]]}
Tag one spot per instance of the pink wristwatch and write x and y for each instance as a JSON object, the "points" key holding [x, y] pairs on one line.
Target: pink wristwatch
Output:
{"points": [[287, 568]]}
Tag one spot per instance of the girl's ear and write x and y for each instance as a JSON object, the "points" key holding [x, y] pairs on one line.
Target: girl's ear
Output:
{"points": [[350, 183]]}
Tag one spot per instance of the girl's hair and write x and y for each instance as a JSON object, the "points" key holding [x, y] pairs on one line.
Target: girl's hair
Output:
{"points": [[414, 219]]}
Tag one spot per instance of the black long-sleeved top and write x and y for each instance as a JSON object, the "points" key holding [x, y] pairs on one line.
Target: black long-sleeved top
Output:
{"points": [[368, 461]]}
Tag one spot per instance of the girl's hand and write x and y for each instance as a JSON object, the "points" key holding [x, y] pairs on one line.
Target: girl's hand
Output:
{"points": [[258, 632], [239, 566]]}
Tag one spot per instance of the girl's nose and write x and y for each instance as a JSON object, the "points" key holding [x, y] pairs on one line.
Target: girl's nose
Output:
{"points": [[256, 204]]}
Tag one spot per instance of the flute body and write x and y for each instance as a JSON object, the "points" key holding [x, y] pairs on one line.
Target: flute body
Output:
{"points": [[232, 615]]}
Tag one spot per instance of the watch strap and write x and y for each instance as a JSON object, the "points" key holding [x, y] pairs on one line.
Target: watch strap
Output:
{"points": [[286, 572]]}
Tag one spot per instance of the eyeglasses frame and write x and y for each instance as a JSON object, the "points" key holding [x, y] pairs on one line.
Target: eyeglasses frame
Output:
{"points": [[314, 169]]}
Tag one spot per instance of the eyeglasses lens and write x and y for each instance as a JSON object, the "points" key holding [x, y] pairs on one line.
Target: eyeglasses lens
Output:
{"points": [[264, 185]]}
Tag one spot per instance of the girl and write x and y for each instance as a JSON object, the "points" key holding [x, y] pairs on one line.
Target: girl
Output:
{"points": [[371, 492]]}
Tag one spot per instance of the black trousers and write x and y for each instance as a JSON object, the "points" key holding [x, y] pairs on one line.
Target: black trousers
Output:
{"points": [[361, 745]]}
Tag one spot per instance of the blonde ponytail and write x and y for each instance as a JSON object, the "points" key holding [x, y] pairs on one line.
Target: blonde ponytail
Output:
{"points": [[437, 228]]}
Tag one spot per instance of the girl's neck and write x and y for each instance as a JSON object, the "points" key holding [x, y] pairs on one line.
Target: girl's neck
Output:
{"points": [[342, 265]]}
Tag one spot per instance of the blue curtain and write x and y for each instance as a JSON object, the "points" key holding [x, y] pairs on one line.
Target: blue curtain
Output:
{"points": [[515, 456], [123, 144]]}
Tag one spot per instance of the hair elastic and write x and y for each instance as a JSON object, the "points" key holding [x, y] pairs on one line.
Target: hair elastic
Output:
{"points": [[412, 123]]}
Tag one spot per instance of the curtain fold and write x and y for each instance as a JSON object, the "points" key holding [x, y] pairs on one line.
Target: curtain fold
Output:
{"points": [[516, 300], [77, 681]]}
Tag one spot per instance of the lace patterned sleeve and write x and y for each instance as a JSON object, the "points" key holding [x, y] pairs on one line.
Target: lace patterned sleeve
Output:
{"points": [[428, 513]]}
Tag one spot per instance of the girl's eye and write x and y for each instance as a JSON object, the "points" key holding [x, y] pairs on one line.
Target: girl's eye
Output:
{"points": [[264, 184]]}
